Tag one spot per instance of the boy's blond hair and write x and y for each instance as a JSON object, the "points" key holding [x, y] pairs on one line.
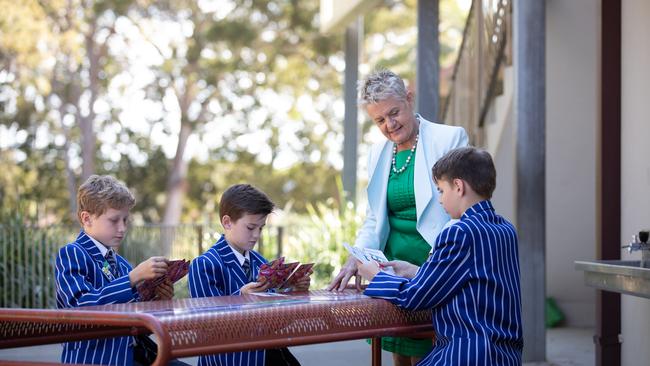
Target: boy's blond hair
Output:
{"points": [[101, 192]]}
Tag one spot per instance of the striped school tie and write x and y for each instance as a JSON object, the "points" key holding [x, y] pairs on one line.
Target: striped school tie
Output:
{"points": [[247, 269], [112, 262]]}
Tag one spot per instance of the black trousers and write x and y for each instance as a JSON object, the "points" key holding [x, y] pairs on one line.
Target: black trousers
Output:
{"points": [[280, 357], [146, 350]]}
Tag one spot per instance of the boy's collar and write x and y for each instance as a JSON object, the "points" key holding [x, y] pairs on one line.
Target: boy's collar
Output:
{"points": [[102, 248], [485, 205], [87, 243], [240, 257]]}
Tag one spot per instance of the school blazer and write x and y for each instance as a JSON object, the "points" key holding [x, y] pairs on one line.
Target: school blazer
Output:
{"points": [[435, 140], [217, 272], [471, 284], [80, 281]]}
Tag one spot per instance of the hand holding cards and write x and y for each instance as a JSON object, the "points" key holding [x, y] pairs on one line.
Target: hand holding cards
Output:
{"points": [[283, 276], [365, 255], [176, 270]]}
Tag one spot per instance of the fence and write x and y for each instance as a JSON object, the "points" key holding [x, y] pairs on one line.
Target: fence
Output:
{"points": [[28, 255]]}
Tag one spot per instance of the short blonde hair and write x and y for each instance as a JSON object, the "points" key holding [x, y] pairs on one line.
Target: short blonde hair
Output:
{"points": [[101, 192], [379, 86]]}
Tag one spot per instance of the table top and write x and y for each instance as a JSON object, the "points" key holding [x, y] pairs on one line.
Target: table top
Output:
{"points": [[189, 327]]}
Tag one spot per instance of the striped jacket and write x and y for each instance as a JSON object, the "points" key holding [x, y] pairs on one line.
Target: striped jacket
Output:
{"points": [[80, 281], [471, 283], [217, 272]]}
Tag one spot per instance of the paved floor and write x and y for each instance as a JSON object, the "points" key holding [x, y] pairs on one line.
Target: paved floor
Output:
{"points": [[565, 347]]}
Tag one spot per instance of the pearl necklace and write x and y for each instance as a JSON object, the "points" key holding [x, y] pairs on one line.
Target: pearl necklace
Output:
{"points": [[408, 158]]}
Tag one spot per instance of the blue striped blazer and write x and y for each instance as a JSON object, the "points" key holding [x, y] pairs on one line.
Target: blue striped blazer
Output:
{"points": [[80, 281], [217, 272], [471, 283]]}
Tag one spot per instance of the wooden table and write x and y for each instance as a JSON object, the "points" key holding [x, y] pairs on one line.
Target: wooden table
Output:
{"points": [[191, 327]]}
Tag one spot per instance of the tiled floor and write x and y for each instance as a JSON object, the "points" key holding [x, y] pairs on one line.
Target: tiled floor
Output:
{"points": [[565, 347]]}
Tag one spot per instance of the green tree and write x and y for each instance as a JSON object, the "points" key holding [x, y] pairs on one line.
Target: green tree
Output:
{"points": [[57, 68], [227, 59]]}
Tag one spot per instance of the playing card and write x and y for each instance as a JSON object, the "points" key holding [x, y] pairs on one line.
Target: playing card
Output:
{"points": [[276, 272], [366, 254], [176, 270], [297, 275], [267, 270], [281, 274]]}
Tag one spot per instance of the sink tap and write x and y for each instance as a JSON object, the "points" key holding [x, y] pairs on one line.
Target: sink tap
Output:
{"points": [[640, 242]]}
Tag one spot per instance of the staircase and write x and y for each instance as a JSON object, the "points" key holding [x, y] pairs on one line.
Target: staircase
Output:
{"points": [[481, 93], [480, 97]]}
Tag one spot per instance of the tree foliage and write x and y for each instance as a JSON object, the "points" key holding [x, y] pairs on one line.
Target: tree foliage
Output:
{"points": [[179, 99]]}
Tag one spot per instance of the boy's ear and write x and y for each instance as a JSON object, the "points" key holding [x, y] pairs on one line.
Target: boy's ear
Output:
{"points": [[86, 218], [459, 186], [226, 222]]}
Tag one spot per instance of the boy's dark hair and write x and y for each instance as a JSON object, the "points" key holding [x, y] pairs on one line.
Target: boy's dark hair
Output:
{"points": [[242, 199], [101, 192], [470, 164]]}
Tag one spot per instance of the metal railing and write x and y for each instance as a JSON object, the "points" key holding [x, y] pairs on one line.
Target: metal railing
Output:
{"points": [[28, 255], [478, 71]]}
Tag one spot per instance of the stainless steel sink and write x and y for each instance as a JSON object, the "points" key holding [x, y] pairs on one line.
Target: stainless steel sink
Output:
{"points": [[626, 277]]}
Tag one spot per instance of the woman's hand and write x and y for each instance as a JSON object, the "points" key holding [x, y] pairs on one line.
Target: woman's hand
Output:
{"points": [[254, 287], [402, 268], [341, 280], [368, 270]]}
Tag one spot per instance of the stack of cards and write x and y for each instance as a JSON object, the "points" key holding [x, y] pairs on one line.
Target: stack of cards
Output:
{"points": [[283, 276], [176, 270], [298, 274], [367, 255]]}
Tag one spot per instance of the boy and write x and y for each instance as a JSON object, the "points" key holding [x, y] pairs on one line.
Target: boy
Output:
{"points": [[471, 279], [231, 265], [90, 272]]}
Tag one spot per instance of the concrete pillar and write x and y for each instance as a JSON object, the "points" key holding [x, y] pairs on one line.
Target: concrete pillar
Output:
{"points": [[353, 39], [428, 50], [635, 166], [530, 115]]}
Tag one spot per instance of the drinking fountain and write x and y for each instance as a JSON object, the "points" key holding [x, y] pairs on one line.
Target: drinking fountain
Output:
{"points": [[631, 277], [640, 243]]}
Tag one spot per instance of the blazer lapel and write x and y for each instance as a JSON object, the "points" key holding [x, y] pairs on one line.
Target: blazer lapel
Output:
{"points": [[422, 180], [89, 246], [377, 188], [431, 218], [256, 261], [230, 260]]}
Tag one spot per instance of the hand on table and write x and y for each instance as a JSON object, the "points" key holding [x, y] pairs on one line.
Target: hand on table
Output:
{"points": [[341, 280]]}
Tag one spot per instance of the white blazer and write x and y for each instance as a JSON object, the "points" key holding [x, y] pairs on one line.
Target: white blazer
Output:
{"points": [[435, 140]]}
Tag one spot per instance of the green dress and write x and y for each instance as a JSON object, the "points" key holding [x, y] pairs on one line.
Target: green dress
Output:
{"points": [[404, 243]]}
